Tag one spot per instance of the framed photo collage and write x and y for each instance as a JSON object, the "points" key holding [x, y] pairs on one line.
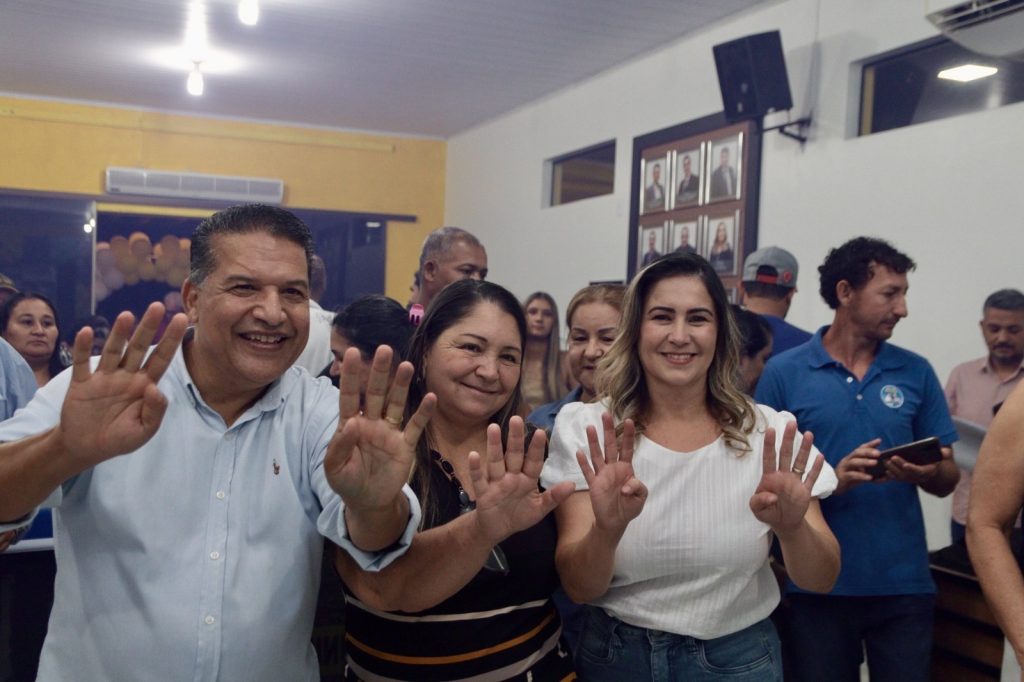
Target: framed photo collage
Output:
{"points": [[695, 192]]}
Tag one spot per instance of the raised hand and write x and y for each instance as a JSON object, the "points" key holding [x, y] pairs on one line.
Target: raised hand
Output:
{"points": [[507, 497], [784, 493], [118, 407], [852, 470], [616, 494], [370, 456]]}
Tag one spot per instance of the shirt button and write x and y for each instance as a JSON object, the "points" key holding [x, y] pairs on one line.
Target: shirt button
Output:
{"points": [[214, 555], [849, 380], [860, 397], [209, 620], [221, 495]]}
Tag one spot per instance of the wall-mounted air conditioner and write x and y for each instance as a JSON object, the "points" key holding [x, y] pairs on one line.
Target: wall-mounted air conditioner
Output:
{"points": [[989, 27], [225, 188]]}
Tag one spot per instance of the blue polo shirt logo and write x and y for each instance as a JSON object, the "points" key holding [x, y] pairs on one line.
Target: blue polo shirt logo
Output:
{"points": [[892, 396]]}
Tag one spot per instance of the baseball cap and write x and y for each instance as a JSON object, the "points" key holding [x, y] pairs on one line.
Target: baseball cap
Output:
{"points": [[771, 265], [7, 283]]}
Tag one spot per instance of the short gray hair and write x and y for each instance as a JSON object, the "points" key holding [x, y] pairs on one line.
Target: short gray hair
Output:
{"points": [[441, 241]]}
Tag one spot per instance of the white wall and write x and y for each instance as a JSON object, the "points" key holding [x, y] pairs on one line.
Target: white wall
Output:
{"points": [[947, 192]]}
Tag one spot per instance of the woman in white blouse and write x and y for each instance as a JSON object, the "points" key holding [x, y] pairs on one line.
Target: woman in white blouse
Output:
{"points": [[684, 589]]}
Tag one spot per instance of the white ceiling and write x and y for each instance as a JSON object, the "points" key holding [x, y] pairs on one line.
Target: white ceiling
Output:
{"points": [[422, 67]]}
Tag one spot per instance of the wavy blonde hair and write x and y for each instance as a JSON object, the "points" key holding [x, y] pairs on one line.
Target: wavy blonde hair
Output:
{"points": [[621, 376]]}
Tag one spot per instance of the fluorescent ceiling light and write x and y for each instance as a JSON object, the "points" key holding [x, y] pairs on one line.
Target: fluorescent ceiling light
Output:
{"points": [[194, 84], [176, 58], [196, 39], [967, 72], [249, 12]]}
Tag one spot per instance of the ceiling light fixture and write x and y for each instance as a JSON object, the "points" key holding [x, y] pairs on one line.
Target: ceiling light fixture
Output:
{"points": [[967, 72], [197, 42], [194, 84], [249, 12]]}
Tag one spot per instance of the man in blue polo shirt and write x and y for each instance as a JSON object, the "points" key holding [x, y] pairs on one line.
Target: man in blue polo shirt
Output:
{"points": [[859, 394]]}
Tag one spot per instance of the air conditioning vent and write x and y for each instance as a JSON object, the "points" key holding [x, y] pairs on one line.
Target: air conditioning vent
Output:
{"points": [[989, 27], [226, 188]]}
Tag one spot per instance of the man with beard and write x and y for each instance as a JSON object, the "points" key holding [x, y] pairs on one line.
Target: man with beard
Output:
{"points": [[859, 394]]}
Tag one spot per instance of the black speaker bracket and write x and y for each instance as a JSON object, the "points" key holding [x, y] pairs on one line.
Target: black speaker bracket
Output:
{"points": [[801, 124]]}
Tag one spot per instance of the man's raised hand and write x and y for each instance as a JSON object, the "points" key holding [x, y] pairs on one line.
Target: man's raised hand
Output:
{"points": [[117, 407]]}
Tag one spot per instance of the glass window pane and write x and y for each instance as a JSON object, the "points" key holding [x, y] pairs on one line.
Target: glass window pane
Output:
{"points": [[584, 174], [904, 88]]}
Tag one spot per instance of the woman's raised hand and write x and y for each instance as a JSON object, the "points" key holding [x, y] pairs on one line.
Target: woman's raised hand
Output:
{"points": [[506, 484], [784, 493], [616, 494]]}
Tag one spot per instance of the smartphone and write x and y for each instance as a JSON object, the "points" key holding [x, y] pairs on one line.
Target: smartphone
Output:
{"points": [[920, 452]]}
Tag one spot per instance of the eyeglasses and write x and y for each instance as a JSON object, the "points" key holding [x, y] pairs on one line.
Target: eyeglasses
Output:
{"points": [[496, 561]]}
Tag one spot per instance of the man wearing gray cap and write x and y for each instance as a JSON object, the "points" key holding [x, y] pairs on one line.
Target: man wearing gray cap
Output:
{"points": [[768, 286]]}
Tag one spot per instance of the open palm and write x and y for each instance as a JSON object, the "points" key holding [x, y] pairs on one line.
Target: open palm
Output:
{"points": [[784, 493], [508, 499], [616, 495], [118, 407], [369, 458]]}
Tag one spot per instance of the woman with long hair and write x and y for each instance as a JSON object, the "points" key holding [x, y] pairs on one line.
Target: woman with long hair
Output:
{"points": [[592, 319], [721, 257], [684, 590], [472, 596], [28, 321], [544, 375]]}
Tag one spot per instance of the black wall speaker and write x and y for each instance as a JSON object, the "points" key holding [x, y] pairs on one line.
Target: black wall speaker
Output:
{"points": [[752, 75]]}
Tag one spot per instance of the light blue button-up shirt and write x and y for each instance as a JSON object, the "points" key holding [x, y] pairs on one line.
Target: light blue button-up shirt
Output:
{"points": [[17, 383], [197, 557]]}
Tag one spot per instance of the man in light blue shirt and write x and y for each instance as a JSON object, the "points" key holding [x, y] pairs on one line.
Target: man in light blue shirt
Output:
{"points": [[17, 383], [17, 386], [193, 485]]}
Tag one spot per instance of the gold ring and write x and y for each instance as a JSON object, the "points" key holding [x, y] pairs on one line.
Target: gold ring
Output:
{"points": [[393, 421], [798, 471]]}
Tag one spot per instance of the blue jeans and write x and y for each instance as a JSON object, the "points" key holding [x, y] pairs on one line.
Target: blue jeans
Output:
{"points": [[612, 651], [830, 634]]}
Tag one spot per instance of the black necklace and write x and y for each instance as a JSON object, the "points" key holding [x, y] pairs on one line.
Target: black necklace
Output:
{"points": [[496, 560]]}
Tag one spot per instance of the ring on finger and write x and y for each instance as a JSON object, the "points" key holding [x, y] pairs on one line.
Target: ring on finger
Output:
{"points": [[394, 421], [798, 471]]}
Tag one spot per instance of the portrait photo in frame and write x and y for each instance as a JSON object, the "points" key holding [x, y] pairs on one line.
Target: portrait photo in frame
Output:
{"points": [[721, 242], [686, 179], [650, 243], [724, 169], [656, 177], [684, 236]]}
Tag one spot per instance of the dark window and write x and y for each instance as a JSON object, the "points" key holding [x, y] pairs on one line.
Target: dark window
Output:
{"points": [[903, 88], [583, 174]]}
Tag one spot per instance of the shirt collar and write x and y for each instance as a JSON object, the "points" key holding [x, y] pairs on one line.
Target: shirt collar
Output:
{"points": [[887, 357], [270, 400], [986, 367]]}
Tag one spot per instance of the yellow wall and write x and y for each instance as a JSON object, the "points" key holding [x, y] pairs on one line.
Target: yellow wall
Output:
{"points": [[65, 148]]}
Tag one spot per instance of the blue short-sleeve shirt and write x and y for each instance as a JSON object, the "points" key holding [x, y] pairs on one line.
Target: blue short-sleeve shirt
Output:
{"points": [[879, 526]]}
